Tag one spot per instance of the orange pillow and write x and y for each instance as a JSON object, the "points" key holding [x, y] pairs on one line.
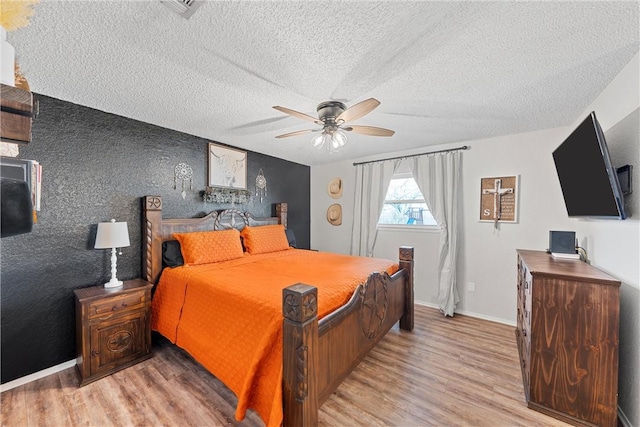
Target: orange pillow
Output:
{"points": [[265, 238], [203, 247]]}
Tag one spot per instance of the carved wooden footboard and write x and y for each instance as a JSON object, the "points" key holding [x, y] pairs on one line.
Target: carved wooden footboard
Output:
{"points": [[317, 355]]}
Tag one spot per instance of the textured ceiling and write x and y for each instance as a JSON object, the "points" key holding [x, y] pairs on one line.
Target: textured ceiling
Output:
{"points": [[444, 71]]}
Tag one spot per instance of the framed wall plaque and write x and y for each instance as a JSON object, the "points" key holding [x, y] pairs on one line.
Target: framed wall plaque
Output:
{"points": [[227, 167], [499, 199]]}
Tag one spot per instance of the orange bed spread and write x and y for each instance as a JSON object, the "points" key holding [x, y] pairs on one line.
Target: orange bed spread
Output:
{"points": [[228, 315]]}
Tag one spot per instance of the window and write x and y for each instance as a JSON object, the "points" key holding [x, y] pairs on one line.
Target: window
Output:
{"points": [[404, 204]]}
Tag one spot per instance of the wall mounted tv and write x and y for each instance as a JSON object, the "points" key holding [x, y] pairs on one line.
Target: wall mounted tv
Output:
{"points": [[589, 182]]}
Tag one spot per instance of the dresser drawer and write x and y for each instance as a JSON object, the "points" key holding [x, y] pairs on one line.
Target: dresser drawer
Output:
{"points": [[117, 304]]}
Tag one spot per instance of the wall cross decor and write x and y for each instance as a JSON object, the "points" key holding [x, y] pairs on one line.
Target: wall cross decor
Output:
{"points": [[498, 199]]}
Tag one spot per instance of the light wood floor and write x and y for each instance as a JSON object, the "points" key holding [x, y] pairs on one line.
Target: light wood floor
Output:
{"points": [[456, 371]]}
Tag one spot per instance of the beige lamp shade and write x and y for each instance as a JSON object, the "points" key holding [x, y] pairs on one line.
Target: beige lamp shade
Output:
{"points": [[112, 235]]}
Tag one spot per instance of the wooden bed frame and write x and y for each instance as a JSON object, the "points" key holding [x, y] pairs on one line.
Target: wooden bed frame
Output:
{"points": [[317, 355]]}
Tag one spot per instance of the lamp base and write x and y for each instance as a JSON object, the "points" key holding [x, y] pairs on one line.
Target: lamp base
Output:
{"points": [[113, 283]]}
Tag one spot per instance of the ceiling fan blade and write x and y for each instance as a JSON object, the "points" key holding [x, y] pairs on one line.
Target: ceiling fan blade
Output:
{"points": [[360, 109], [298, 132], [297, 114], [370, 130]]}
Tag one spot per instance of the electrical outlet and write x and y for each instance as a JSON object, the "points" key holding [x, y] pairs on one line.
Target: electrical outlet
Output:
{"points": [[471, 286]]}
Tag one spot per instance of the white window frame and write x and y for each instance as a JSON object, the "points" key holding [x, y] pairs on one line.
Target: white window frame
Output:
{"points": [[408, 227]]}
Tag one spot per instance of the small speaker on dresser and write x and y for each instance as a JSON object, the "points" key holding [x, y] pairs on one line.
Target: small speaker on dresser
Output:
{"points": [[562, 242]]}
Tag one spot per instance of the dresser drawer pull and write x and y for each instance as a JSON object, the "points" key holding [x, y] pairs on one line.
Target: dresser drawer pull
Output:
{"points": [[115, 307], [94, 353]]}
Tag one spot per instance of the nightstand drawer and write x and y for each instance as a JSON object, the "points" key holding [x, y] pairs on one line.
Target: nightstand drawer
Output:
{"points": [[117, 304]]}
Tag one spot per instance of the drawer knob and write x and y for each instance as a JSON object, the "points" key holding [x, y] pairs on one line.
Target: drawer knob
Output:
{"points": [[115, 307], [94, 353]]}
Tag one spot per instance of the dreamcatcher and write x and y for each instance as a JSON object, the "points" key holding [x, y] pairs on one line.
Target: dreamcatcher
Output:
{"points": [[261, 185], [183, 172]]}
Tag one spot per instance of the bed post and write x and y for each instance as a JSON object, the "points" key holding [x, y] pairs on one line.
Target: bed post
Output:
{"points": [[281, 213], [406, 262], [151, 254], [300, 356]]}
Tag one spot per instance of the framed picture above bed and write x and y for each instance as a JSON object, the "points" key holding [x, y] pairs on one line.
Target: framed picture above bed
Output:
{"points": [[227, 167]]}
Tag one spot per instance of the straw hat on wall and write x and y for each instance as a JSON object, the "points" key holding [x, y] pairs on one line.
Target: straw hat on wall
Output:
{"points": [[335, 188], [334, 214]]}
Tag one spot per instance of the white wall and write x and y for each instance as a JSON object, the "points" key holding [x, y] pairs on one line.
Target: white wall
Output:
{"points": [[487, 255], [324, 236], [615, 246]]}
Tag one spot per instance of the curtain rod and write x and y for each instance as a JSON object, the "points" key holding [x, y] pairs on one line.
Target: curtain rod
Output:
{"points": [[464, 147]]}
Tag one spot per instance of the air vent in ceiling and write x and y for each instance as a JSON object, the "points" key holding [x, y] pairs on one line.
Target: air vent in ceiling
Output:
{"points": [[184, 8]]}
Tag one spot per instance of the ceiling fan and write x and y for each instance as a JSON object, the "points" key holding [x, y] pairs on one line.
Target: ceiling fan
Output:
{"points": [[333, 116]]}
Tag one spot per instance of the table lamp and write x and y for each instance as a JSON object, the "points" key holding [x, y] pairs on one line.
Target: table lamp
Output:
{"points": [[112, 235]]}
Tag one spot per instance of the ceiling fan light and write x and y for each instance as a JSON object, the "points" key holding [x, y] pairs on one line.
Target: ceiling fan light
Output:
{"points": [[333, 147], [318, 140], [327, 139], [338, 141], [340, 138]]}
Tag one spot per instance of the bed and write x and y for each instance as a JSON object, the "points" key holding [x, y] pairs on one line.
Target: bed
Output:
{"points": [[319, 349]]}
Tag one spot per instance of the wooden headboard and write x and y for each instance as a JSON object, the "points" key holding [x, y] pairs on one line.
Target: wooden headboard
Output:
{"points": [[156, 230]]}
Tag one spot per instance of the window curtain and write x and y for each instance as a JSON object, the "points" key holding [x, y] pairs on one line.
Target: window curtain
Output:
{"points": [[372, 183], [438, 177]]}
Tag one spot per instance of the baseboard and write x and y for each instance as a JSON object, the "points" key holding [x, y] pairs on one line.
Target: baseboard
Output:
{"points": [[471, 314], [622, 418], [489, 318], [426, 304], [37, 375]]}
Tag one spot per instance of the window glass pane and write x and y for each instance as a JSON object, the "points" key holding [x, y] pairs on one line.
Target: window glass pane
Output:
{"points": [[403, 189], [404, 204]]}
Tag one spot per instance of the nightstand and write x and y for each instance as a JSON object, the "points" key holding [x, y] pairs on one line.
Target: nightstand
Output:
{"points": [[112, 328]]}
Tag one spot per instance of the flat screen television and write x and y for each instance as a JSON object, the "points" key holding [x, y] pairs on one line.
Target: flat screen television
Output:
{"points": [[589, 181]]}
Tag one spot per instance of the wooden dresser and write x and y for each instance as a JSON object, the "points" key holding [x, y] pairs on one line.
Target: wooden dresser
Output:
{"points": [[112, 328], [567, 335]]}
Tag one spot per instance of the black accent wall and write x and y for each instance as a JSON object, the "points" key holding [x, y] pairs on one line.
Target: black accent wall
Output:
{"points": [[97, 166]]}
